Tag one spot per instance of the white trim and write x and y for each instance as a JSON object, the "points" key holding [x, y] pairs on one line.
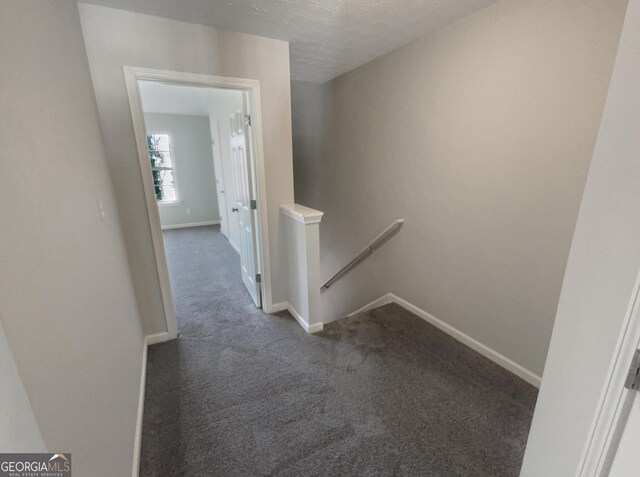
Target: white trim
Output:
{"points": [[138, 436], [377, 303], [252, 87], [191, 224], [277, 307], [465, 339], [170, 203], [614, 400], [137, 116], [137, 442], [157, 338], [301, 213], [233, 244], [310, 329]]}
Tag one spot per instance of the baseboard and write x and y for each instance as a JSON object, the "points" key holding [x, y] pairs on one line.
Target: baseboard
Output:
{"points": [[377, 303], [277, 307], [235, 247], [506, 363], [307, 327], [138, 436], [157, 338], [148, 340], [315, 328], [192, 224]]}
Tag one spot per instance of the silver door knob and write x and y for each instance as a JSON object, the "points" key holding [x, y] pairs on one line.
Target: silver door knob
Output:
{"points": [[234, 209]]}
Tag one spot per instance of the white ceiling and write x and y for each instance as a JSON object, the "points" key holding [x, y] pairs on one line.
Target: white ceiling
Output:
{"points": [[328, 37], [175, 99]]}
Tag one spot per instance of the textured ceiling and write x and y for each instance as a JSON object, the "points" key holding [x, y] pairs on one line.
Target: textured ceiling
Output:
{"points": [[328, 37]]}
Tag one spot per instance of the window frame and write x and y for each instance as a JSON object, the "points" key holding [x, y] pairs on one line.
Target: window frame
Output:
{"points": [[173, 168]]}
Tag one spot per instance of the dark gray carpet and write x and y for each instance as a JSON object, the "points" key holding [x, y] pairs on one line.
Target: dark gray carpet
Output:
{"points": [[242, 393]]}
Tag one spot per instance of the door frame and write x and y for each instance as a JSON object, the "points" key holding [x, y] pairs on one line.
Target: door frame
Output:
{"points": [[134, 74], [615, 400]]}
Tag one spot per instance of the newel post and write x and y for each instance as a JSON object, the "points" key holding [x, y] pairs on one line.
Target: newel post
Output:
{"points": [[301, 233]]}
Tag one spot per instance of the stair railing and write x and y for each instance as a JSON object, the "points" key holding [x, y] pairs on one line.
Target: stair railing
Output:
{"points": [[375, 244]]}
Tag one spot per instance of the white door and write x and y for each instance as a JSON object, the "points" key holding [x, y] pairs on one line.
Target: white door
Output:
{"points": [[625, 448], [245, 197], [626, 462]]}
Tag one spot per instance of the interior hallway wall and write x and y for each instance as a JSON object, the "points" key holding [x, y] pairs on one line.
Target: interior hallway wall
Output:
{"points": [[66, 296], [115, 38], [194, 172], [323, 182], [19, 430], [480, 136], [599, 288]]}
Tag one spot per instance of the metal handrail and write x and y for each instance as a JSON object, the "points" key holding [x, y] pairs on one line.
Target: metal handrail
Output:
{"points": [[375, 244]]}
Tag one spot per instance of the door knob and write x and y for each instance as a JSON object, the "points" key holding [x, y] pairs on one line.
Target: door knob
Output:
{"points": [[234, 209]]}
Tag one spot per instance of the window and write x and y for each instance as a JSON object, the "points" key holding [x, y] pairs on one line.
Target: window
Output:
{"points": [[162, 167]]}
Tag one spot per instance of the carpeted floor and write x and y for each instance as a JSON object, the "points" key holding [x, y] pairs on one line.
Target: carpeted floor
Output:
{"points": [[242, 393]]}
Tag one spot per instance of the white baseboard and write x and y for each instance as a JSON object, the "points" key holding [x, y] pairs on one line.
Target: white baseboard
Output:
{"points": [[378, 302], [307, 327], [500, 359], [157, 338], [228, 237], [276, 307], [148, 340], [235, 247], [192, 224], [138, 436]]}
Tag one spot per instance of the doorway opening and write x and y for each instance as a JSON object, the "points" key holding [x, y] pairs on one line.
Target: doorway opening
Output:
{"points": [[200, 150]]}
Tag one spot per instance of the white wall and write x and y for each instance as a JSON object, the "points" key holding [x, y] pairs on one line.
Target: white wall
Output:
{"points": [[300, 230], [601, 273], [66, 298], [480, 136], [19, 430], [115, 38], [194, 172]]}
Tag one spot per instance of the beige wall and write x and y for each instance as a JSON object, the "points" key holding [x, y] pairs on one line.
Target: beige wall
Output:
{"points": [[322, 182], [66, 297], [599, 287], [193, 159], [19, 430], [480, 136], [115, 38]]}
